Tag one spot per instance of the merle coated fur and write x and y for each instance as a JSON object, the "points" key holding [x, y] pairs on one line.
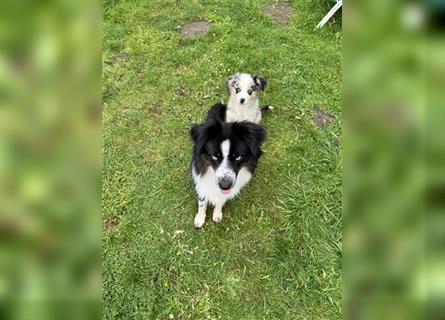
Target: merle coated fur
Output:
{"points": [[218, 112], [243, 103]]}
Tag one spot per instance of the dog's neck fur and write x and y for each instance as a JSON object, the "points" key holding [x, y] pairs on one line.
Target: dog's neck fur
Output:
{"points": [[242, 112]]}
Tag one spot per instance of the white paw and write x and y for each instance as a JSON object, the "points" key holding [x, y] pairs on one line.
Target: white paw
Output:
{"points": [[200, 219], [217, 216]]}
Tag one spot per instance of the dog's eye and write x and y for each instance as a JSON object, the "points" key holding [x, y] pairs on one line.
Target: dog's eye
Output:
{"points": [[237, 90], [237, 157], [215, 157], [249, 92]]}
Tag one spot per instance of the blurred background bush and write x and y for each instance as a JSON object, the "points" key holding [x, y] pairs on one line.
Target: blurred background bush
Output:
{"points": [[394, 156], [50, 116]]}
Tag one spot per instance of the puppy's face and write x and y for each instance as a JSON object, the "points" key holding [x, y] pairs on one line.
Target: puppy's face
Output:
{"points": [[226, 148], [245, 87]]}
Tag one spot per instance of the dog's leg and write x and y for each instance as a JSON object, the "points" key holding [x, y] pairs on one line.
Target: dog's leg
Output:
{"points": [[200, 217], [217, 213]]}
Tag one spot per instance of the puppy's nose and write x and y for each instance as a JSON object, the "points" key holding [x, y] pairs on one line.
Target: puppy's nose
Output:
{"points": [[225, 184], [242, 100]]}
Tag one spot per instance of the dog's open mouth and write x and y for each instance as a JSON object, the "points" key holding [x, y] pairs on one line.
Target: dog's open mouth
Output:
{"points": [[225, 192]]}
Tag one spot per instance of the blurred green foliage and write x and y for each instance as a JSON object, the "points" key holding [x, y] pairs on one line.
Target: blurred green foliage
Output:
{"points": [[394, 151], [49, 159]]}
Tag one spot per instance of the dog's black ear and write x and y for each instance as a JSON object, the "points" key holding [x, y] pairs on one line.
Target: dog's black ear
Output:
{"points": [[257, 132], [253, 134], [261, 82], [201, 133], [195, 131]]}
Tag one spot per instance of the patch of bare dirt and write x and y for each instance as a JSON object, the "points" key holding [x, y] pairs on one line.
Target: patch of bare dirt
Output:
{"points": [[111, 223], [181, 90], [120, 57], [155, 109], [194, 29], [281, 12], [321, 118]]}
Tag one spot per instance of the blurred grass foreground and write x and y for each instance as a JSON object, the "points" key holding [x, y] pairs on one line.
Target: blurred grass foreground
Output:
{"points": [[394, 156], [50, 159]]}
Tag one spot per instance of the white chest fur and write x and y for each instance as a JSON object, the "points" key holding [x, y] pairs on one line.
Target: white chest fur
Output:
{"points": [[206, 186], [237, 112]]}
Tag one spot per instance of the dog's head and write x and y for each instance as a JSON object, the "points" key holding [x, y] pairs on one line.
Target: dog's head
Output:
{"points": [[225, 148], [245, 86]]}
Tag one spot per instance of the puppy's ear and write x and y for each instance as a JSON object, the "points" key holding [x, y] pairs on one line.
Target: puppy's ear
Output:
{"points": [[229, 83], [261, 82], [230, 80]]}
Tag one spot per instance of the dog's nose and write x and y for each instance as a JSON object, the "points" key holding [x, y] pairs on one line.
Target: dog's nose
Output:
{"points": [[225, 184], [242, 100]]}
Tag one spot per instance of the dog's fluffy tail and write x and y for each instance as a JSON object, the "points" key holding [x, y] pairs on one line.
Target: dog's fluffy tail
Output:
{"points": [[266, 109]]}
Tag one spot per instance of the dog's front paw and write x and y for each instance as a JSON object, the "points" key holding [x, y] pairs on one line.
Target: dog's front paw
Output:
{"points": [[200, 219], [217, 216]]}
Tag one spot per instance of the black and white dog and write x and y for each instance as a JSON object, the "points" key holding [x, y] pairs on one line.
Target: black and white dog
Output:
{"points": [[243, 102], [225, 156]]}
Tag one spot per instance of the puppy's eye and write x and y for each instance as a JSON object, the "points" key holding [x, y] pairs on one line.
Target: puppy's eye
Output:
{"points": [[249, 92], [237, 90], [214, 157]]}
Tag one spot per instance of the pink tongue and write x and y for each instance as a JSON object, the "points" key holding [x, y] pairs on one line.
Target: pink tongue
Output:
{"points": [[225, 192]]}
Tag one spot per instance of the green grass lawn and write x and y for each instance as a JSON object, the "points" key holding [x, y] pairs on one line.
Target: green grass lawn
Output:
{"points": [[277, 252]]}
